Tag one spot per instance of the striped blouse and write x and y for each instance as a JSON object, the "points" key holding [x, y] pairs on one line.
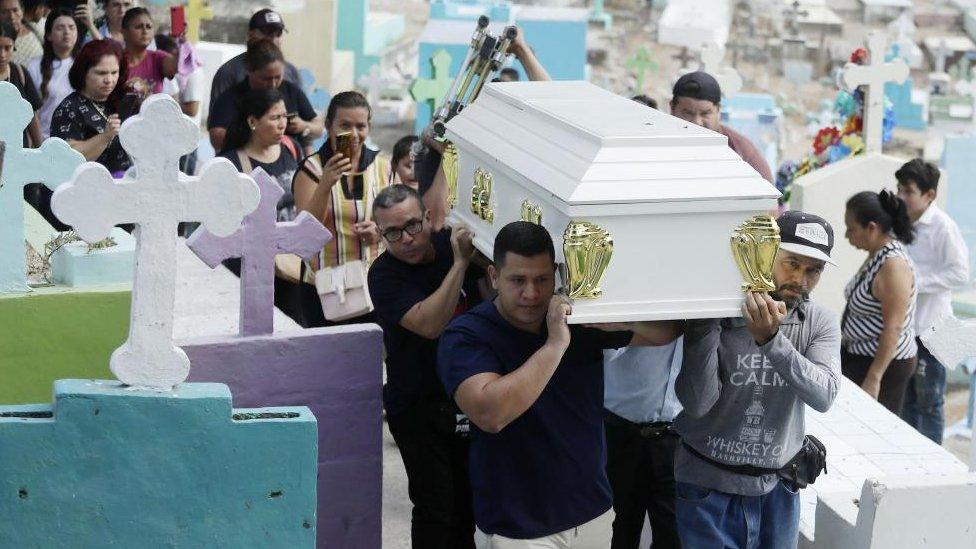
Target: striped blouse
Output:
{"points": [[346, 212], [862, 323]]}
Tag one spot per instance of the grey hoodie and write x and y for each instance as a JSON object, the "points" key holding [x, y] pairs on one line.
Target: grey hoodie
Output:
{"points": [[743, 404]]}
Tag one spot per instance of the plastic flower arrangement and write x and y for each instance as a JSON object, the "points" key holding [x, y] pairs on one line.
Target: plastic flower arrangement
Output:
{"points": [[832, 144]]}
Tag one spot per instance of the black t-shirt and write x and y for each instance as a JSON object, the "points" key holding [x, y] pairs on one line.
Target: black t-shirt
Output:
{"points": [[79, 118], [21, 80], [283, 170], [227, 109], [411, 360]]}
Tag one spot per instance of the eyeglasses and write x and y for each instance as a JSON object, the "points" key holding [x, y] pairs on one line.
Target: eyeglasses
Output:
{"points": [[412, 228]]}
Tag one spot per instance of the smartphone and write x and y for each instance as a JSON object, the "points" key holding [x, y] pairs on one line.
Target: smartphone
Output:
{"points": [[128, 105], [177, 20], [344, 144]]}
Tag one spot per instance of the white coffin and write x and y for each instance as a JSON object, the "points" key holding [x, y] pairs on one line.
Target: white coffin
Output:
{"points": [[669, 193]]}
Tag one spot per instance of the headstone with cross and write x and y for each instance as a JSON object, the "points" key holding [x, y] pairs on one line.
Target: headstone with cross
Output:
{"points": [[684, 56], [433, 90], [156, 199], [257, 242], [196, 11], [51, 164], [641, 64], [791, 19], [711, 62], [939, 56], [374, 83], [873, 77]]}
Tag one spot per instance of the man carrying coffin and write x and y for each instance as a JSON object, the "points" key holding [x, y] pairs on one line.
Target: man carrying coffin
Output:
{"points": [[743, 384], [418, 284], [697, 98], [533, 388]]}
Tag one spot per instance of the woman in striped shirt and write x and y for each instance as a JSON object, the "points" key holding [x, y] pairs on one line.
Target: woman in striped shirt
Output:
{"points": [[878, 327], [339, 191]]}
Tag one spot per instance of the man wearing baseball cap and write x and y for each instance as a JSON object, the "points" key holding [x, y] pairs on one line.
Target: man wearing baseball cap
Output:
{"points": [[264, 24], [697, 98], [743, 455]]}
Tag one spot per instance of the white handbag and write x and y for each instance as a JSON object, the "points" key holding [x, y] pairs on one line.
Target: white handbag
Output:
{"points": [[343, 291]]}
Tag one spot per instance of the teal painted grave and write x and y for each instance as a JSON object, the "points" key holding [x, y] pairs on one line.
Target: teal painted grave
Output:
{"points": [[107, 466], [366, 33], [51, 164]]}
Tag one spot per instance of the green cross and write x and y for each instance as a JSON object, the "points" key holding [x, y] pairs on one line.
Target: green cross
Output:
{"points": [[433, 90], [641, 64]]}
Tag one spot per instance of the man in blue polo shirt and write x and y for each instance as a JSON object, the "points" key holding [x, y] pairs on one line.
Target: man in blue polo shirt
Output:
{"points": [[532, 387]]}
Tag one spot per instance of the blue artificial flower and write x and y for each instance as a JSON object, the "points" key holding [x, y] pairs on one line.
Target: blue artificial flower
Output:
{"points": [[837, 152], [845, 104], [785, 175], [888, 127]]}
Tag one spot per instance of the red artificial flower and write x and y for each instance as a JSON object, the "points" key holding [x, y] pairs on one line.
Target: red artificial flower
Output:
{"points": [[860, 56], [825, 138]]}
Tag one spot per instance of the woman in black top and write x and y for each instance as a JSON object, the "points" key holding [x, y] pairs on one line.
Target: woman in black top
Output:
{"points": [[88, 118], [258, 140], [265, 66], [17, 75]]}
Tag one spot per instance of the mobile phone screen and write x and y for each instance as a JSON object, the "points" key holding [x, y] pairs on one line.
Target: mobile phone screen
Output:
{"points": [[177, 20]]}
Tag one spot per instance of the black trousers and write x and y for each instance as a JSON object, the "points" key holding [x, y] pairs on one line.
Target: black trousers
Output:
{"points": [[436, 461], [641, 470], [894, 382]]}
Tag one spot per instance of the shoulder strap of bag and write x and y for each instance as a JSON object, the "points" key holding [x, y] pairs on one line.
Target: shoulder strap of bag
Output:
{"points": [[245, 161], [290, 145]]}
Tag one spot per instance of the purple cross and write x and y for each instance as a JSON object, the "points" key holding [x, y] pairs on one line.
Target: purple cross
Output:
{"points": [[260, 238]]}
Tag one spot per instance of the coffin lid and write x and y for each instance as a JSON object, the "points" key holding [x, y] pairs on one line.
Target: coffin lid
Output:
{"points": [[585, 145]]}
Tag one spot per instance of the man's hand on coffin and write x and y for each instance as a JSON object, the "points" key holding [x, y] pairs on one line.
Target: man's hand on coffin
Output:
{"points": [[558, 327], [367, 231], [431, 142], [462, 243], [762, 315], [334, 168]]}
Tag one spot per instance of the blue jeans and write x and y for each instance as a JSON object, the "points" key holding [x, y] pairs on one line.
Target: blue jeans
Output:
{"points": [[925, 396], [710, 519]]}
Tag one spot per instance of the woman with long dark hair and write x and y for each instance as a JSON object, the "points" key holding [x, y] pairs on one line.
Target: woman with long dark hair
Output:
{"points": [[258, 140], [88, 117], [50, 72], [16, 74], [878, 326]]}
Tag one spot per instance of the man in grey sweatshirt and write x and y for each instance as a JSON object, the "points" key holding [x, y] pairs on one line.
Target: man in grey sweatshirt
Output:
{"points": [[744, 384]]}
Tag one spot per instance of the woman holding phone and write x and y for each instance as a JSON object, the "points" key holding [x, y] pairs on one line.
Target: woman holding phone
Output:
{"points": [[337, 185], [265, 67], [88, 117]]}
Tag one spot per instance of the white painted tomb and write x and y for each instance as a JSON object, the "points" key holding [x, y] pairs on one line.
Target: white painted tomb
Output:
{"points": [[667, 192], [156, 198]]}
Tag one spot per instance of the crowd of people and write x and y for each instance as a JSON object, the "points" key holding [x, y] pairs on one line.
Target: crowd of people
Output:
{"points": [[515, 428]]}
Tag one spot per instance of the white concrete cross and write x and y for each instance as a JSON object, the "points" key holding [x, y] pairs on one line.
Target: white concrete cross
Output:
{"points": [[873, 77], [951, 340], [156, 200], [711, 62], [374, 83]]}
